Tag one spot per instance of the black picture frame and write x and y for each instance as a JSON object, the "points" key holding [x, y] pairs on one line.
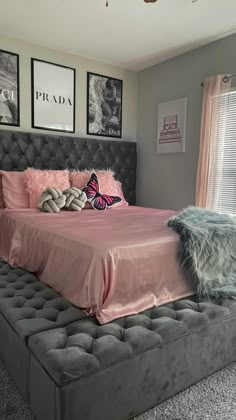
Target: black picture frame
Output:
{"points": [[98, 129], [33, 108], [9, 77]]}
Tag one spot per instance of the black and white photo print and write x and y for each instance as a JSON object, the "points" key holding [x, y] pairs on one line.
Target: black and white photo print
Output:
{"points": [[9, 88], [104, 106]]}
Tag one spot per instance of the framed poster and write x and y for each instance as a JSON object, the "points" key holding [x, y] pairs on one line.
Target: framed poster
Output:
{"points": [[171, 126], [104, 105], [53, 96], [9, 89]]}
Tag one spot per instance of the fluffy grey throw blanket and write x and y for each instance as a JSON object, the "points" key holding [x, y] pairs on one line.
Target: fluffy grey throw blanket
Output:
{"points": [[208, 250]]}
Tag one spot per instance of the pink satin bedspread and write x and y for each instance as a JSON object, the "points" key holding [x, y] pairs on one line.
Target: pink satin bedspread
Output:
{"points": [[113, 263]]}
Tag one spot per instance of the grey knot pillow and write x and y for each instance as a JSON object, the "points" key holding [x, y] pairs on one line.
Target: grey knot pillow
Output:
{"points": [[52, 200], [75, 199]]}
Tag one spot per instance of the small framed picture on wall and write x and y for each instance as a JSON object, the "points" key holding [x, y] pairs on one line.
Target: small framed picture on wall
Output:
{"points": [[53, 96], [9, 89], [171, 126], [104, 105]]}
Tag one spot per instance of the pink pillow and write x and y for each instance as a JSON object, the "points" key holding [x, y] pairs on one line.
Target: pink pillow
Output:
{"points": [[36, 181], [107, 183], [120, 194], [13, 188]]}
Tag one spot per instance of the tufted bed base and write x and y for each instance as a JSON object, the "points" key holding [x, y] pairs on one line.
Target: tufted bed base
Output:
{"points": [[27, 306], [68, 367]]}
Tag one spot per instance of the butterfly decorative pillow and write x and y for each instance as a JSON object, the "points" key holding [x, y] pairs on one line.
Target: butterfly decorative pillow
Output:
{"points": [[98, 200]]}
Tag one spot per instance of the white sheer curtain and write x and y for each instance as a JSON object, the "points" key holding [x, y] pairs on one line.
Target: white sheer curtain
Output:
{"points": [[222, 178], [213, 123]]}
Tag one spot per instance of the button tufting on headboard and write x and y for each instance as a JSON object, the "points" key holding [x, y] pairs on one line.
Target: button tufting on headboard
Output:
{"points": [[19, 151]]}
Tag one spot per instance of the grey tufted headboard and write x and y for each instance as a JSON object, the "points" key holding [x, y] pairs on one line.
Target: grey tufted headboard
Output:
{"points": [[19, 151]]}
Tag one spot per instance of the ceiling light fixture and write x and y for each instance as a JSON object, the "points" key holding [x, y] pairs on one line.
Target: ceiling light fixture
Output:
{"points": [[146, 1]]}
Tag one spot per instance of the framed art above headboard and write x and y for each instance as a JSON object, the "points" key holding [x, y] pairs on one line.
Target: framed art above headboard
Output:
{"points": [[20, 150]]}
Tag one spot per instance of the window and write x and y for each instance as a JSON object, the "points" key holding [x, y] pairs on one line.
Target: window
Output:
{"points": [[222, 180]]}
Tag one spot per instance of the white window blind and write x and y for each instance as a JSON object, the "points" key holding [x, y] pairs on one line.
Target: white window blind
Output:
{"points": [[222, 179]]}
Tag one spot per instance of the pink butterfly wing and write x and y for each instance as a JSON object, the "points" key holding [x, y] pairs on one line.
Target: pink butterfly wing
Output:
{"points": [[92, 187], [99, 203], [110, 199], [90, 193], [93, 183]]}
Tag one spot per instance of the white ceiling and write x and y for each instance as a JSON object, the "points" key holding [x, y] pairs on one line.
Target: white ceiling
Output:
{"points": [[129, 33]]}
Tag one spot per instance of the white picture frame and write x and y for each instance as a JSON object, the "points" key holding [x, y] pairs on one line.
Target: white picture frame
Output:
{"points": [[53, 96], [171, 126]]}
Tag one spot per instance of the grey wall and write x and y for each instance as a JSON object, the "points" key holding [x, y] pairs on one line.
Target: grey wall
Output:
{"points": [[168, 181]]}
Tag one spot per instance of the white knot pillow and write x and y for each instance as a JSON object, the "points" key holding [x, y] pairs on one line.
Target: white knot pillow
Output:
{"points": [[75, 199], [52, 200]]}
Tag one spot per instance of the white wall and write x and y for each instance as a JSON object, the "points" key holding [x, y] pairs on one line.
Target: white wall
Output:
{"points": [[82, 65], [169, 180]]}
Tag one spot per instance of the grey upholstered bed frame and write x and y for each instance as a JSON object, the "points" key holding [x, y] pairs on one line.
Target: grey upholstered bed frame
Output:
{"points": [[19, 150], [66, 365]]}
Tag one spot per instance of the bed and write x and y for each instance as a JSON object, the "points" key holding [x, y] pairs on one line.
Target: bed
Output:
{"points": [[88, 257], [111, 263], [66, 364]]}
